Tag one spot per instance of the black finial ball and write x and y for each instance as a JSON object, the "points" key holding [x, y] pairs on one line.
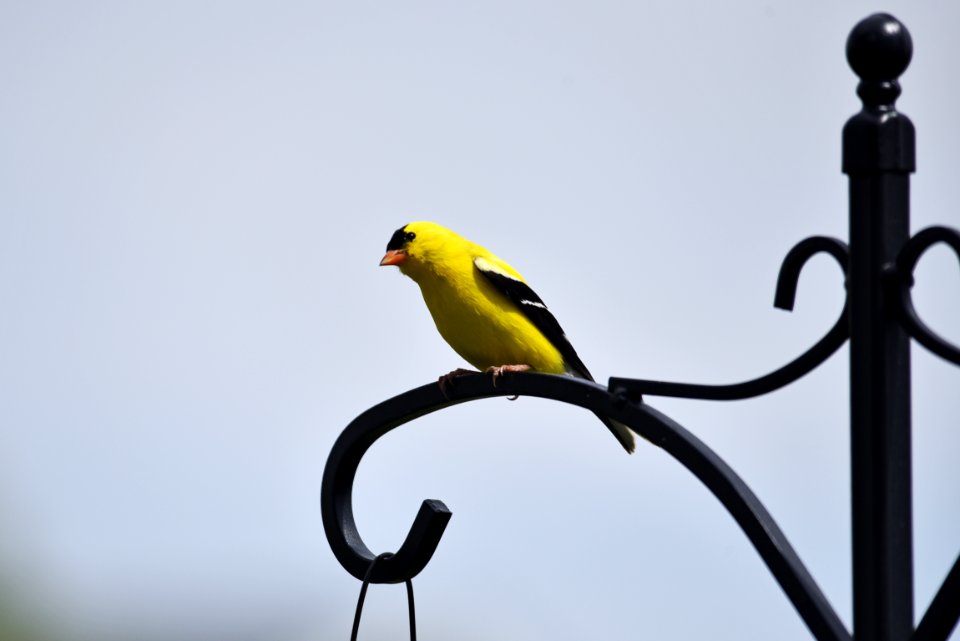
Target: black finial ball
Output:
{"points": [[879, 47]]}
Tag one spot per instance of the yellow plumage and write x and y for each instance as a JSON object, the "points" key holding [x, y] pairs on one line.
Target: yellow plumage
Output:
{"points": [[478, 321], [483, 308]]}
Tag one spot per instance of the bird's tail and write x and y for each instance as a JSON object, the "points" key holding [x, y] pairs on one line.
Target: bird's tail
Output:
{"points": [[623, 433]]}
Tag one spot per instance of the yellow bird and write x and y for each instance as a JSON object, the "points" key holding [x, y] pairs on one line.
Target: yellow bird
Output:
{"points": [[485, 310]]}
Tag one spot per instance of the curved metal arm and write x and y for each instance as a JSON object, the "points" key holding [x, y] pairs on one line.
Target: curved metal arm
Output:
{"points": [[784, 299], [336, 494], [906, 263], [944, 611], [421, 542]]}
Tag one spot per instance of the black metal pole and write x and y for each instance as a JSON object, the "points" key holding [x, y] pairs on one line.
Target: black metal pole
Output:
{"points": [[878, 156]]}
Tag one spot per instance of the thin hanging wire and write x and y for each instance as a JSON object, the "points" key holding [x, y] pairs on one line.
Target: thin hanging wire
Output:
{"points": [[363, 595]]}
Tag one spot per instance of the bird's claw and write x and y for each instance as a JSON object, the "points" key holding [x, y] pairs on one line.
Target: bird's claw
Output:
{"points": [[446, 381], [500, 370]]}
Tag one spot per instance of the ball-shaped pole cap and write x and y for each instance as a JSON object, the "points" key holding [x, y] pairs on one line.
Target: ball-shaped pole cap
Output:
{"points": [[879, 48]]}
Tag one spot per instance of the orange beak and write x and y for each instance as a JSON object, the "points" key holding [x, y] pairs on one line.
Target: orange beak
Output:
{"points": [[393, 257]]}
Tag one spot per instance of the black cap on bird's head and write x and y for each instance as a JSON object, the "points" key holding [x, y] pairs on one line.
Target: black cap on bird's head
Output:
{"points": [[396, 248]]}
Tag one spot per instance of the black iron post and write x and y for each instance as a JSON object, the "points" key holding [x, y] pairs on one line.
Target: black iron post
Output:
{"points": [[878, 156]]}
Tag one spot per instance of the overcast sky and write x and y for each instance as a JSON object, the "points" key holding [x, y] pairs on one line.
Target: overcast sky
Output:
{"points": [[193, 201]]}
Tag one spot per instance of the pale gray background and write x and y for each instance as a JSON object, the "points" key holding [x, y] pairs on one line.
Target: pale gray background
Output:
{"points": [[193, 201]]}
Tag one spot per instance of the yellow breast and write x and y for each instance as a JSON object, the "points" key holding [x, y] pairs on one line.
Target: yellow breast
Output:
{"points": [[483, 326]]}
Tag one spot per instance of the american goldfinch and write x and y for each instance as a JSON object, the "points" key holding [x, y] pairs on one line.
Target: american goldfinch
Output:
{"points": [[485, 310]]}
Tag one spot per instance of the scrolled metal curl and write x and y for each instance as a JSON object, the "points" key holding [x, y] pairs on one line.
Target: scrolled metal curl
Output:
{"points": [[784, 298], [906, 263]]}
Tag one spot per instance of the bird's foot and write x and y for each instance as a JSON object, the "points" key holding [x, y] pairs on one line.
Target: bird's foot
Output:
{"points": [[446, 381], [500, 370]]}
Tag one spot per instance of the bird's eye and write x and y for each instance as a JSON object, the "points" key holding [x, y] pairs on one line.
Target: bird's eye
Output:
{"points": [[409, 236]]}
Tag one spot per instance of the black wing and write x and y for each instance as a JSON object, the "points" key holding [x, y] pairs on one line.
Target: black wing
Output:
{"points": [[520, 294]]}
